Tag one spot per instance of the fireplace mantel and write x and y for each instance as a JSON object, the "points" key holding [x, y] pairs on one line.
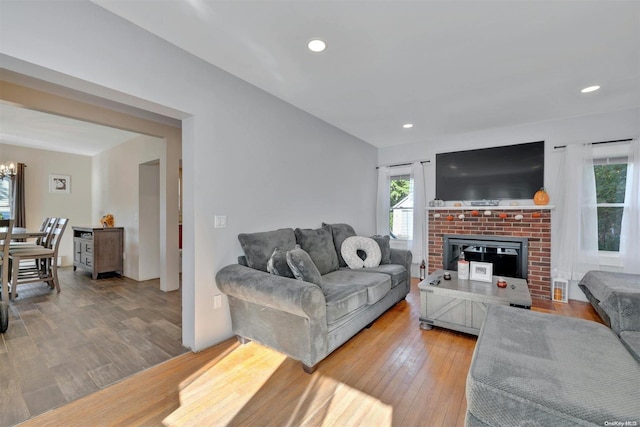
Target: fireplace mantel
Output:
{"points": [[491, 208]]}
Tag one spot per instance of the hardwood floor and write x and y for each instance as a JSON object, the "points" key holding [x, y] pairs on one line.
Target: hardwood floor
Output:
{"points": [[63, 346], [392, 374]]}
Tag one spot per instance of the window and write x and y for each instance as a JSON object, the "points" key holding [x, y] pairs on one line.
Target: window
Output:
{"points": [[401, 213], [5, 188], [611, 181]]}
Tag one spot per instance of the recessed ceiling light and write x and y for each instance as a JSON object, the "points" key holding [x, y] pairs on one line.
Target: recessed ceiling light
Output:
{"points": [[590, 89], [316, 45], [407, 125]]}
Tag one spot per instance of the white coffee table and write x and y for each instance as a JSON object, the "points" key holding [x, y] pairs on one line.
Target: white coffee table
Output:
{"points": [[461, 305]]}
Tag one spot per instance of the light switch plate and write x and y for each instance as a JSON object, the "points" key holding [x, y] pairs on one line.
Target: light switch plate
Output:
{"points": [[217, 301], [220, 221]]}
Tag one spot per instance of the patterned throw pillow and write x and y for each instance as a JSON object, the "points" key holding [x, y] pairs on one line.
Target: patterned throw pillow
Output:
{"points": [[302, 266], [350, 248], [277, 264]]}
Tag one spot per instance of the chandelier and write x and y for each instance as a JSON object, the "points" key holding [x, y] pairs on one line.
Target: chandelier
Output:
{"points": [[8, 170]]}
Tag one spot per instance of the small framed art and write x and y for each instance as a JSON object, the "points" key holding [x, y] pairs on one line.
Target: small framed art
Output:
{"points": [[59, 183], [481, 271]]}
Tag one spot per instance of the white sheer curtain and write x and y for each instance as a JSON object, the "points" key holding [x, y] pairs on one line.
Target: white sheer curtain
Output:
{"points": [[577, 214], [383, 205], [630, 232], [416, 245]]}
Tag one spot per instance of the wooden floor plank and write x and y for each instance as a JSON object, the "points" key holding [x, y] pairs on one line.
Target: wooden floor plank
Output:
{"points": [[392, 374]]}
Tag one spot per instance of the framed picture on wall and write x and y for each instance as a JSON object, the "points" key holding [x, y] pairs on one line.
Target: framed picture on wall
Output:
{"points": [[59, 183], [481, 271]]}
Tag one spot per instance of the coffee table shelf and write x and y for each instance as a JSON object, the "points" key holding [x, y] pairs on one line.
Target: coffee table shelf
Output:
{"points": [[461, 305]]}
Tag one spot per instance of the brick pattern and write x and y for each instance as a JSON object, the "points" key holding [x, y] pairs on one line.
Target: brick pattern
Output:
{"points": [[535, 225]]}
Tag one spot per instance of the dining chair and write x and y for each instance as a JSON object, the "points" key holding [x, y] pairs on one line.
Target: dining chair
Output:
{"points": [[46, 271], [46, 226], [6, 227]]}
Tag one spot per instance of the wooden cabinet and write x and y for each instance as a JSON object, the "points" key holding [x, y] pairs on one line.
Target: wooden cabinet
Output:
{"points": [[97, 249]]}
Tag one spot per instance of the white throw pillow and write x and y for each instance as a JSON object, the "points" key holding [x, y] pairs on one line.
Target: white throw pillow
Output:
{"points": [[349, 251]]}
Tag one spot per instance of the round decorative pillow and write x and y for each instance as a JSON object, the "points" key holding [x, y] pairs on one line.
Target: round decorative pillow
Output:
{"points": [[370, 247]]}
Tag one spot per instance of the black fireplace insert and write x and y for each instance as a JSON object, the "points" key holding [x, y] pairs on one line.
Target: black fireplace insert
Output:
{"points": [[509, 255]]}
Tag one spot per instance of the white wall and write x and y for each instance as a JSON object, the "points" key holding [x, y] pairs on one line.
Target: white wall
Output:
{"points": [[40, 203], [601, 127], [246, 154], [149, 221], [116, 190]]}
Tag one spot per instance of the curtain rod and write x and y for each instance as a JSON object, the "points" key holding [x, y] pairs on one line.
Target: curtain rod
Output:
{"points": [[402, 164], [600, 142]]}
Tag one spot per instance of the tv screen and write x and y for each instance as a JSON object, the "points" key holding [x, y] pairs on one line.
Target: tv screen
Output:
{"points": [[508, 172]]}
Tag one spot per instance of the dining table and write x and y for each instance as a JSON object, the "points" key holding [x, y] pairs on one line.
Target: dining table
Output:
{"points": [[17, 233]]}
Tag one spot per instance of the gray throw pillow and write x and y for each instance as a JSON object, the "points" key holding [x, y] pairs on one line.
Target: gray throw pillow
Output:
{"points": [[385, 248], [339, 232], [318, 244], [302, 266], [278, 265], [258, 247]]}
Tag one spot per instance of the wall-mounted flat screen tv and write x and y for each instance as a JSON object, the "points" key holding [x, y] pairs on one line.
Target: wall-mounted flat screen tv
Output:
{"points": [[507, 172]]}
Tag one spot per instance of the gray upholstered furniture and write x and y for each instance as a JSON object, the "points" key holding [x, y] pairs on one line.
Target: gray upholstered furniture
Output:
{"points": [[616, 298], [308, 317], [538, 369]]}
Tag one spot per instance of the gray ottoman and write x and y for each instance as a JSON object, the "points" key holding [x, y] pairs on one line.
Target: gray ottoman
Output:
{"points": [[537, 369]]}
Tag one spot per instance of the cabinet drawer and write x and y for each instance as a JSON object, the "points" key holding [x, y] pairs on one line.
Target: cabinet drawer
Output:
{"points": [[87, 260], [87, 247]]}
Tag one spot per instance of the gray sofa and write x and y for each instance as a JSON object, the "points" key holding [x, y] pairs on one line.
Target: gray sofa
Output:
{"points": [[538, 369], [310, 316], [616, 298]]}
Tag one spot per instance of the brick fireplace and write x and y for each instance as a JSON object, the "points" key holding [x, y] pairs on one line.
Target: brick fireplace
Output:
{"points": [[535, 225]]}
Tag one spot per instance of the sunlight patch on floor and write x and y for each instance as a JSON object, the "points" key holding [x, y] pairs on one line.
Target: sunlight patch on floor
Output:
{"points": [[351, 407], [259, 374], [205, 400]]}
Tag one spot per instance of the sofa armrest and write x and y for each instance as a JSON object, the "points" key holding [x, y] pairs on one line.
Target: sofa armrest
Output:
{"points": [[269, 290], [623, 309], [285, 314], [403, 257]]}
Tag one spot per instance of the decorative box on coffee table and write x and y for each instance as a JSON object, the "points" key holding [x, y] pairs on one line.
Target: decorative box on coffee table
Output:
{"points": [[461, 305]]}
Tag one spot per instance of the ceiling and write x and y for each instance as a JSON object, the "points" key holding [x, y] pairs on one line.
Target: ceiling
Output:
{"points": [[446, 66], [28, 128]]}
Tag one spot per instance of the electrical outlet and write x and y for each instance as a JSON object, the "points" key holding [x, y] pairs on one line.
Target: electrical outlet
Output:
{"points": [[217, 301]]}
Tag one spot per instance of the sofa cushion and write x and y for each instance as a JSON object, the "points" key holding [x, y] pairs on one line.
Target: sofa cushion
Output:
{"points": [[258, 247], [397, 272], [618, 295], [318, 244], [376, 285], [540, 369], [340, 232], [385, 248], [343, 299], [302, 266], [602, 283], [350, 248], [278, 265]]}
